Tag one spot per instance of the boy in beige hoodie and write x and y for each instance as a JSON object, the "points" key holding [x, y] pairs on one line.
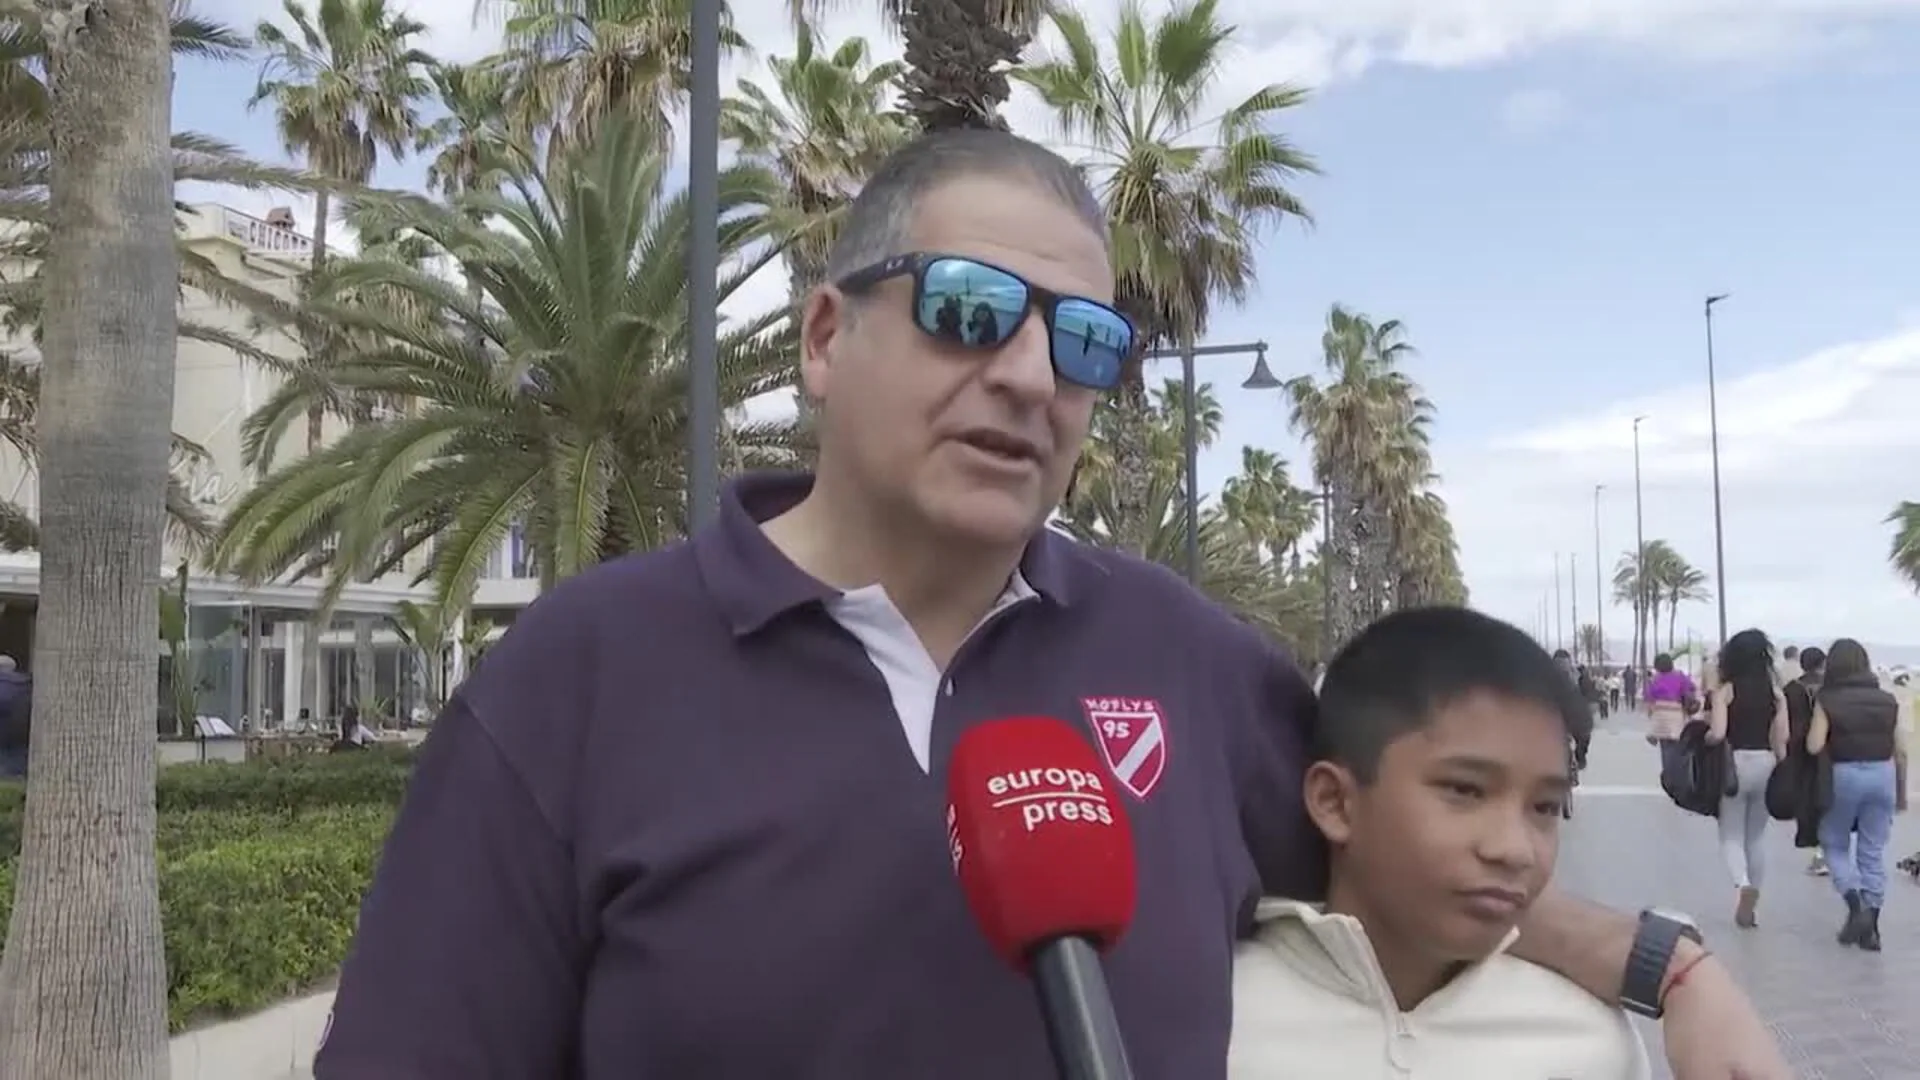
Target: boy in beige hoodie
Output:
{"points": [[1443, 771]]}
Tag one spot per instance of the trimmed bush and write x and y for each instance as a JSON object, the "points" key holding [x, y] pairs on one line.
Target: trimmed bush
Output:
{"points": [[287, 786], [260, 883]]}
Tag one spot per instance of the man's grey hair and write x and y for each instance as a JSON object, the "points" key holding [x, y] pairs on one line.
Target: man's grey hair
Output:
{"points": [[881, 217]]}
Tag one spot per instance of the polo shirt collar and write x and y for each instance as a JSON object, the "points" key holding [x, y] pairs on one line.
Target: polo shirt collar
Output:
{"points": [[753, 582]]}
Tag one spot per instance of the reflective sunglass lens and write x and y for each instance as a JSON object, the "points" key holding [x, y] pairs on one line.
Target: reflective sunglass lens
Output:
{"points": [[1089, 343], [970, 304]]}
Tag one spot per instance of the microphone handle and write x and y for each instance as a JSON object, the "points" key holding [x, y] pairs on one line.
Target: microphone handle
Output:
{"points": [[1075, 1006]]}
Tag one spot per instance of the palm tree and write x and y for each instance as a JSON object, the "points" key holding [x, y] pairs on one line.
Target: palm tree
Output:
{"points": [[1588, 643], [1186, 214], [1367, 426], [1231, 570], [573, 64], [345, 85], [1645, 584], [959, 54], [557, 401], [83, 981], [1128, 524], [428, 631], [1630, 587], [1426, 555], [1262, 498], [1905, 555], [822, 130], [470, 141], [1680, 582]]}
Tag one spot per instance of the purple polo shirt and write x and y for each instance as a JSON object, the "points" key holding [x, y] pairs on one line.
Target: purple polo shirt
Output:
{"points": [[672, 828]]}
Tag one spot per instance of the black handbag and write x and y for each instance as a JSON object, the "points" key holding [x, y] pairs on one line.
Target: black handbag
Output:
{"points": [[1787, 787]]}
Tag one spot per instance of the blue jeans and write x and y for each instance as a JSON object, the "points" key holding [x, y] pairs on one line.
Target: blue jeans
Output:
{"points": [[1863, 800]]}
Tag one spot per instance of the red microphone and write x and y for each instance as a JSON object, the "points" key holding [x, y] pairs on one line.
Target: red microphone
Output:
{"points": [[1044, 854]]}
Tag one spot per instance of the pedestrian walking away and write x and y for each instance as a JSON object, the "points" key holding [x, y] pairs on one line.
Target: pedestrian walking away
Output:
{"points": [[1855, 724], [1748, 712], [686, 820], [1813, 777], [1672, 699]]}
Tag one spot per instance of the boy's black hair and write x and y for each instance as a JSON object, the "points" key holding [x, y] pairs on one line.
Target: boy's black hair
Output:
{"points": [[1396, 676]]}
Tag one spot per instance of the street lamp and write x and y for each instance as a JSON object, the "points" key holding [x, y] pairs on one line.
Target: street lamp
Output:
{"points": [[1261, 379], [1573, 598], [703, 269], [1599, 598], [1713, 434], [1639, 558], [1559, 609]]}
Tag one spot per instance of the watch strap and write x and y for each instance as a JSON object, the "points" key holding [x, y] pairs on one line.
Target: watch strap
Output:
{"points": [[1647, 963]]}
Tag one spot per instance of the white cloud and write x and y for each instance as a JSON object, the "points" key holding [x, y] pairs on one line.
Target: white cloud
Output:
{"points": [[1813, 456], [1530, 111]]}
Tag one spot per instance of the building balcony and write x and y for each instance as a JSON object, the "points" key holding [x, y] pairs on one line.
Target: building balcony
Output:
{"points": [[272, 235]]}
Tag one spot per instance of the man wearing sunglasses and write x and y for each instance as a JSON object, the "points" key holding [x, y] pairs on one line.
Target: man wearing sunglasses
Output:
{"points": [[687, 822]]}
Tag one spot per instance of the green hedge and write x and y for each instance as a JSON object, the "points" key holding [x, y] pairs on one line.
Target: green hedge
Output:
{"points": [[262, 867]]}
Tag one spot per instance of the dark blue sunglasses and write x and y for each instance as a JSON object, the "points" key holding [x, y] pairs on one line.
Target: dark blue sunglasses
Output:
{"points": [[981, 306]]}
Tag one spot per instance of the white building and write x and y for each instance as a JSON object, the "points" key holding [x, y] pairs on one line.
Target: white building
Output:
{"points": [[215, 391]]}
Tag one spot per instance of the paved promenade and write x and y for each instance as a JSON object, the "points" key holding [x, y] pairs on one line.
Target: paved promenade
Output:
{"points": [[1841, 1014]]}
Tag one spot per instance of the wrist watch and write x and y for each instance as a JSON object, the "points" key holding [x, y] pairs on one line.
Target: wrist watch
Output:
{"points": [[1654, 942]]}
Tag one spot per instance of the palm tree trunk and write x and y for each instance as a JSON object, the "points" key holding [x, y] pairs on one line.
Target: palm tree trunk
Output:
{"points": [[1340, 564], [363, 675], [1639, 627], [83, 982], [1132, 456], [310, 649], [1378, 559], [1673, 615]]}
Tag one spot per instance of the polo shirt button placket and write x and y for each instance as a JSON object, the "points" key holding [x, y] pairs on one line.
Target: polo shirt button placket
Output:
{"points": [[1400, 1050]]}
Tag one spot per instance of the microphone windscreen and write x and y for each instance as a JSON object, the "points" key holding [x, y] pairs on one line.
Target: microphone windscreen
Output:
{"points": [[1040, 841]]}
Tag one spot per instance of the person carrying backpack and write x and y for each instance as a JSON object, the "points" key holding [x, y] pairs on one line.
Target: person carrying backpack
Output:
{"points": [[1580, 735]]}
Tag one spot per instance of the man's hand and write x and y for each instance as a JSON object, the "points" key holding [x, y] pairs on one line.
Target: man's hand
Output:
{"points": [[1712, 1031]]}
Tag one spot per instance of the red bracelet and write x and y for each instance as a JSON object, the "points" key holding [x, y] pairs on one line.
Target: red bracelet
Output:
{"points": [[1681, 976]]}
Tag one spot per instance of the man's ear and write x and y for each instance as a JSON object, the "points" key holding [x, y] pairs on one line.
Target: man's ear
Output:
{"points": [[824, 315], [1329, 792]]}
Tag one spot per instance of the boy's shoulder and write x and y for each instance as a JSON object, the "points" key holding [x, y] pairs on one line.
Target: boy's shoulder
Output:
{"points": [[1304, 996]]}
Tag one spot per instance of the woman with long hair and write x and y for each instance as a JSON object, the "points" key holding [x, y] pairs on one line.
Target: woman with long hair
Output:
{"points": [[1747, 711], [1855, 725]]}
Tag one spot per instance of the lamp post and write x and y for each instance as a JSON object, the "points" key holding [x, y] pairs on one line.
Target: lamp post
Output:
{"points": [[1559, 609], [1599, 598], [1639, 553], [1713, 435], [1573, 599], [1261, 379], [703, 269]]}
